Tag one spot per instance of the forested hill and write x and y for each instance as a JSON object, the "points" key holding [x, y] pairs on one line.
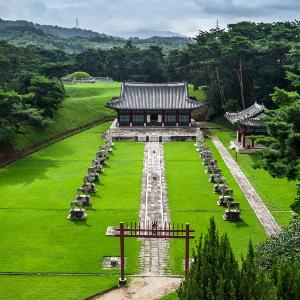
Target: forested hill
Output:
{"points": [[24, 33]]}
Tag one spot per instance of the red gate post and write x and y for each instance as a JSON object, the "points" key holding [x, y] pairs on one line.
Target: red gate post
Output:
{"points": [[122, 279], [187, 248]]}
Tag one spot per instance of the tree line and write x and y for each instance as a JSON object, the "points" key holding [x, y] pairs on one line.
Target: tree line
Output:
{"points": [[27, 95]]}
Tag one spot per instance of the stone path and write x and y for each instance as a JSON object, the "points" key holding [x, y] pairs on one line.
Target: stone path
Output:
{"points": [[261, 211], [154, 207], [147, 288]]}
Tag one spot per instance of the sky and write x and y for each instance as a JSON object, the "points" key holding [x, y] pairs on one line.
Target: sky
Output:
{"points": [[116, 17]]}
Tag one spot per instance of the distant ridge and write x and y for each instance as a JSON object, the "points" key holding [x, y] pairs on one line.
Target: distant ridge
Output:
{"points": [[148, 33], [63, 32], [22, 33], [69, 32]]}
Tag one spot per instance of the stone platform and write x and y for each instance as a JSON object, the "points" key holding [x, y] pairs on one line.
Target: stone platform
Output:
{"points": [[243, 150], [153, 134]]}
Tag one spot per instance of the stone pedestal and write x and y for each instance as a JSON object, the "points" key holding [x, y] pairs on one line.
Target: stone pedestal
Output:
{"points": [[232, 215], [83, 199], [77, 214], [224, 200], [87, 201], [122, 282]]}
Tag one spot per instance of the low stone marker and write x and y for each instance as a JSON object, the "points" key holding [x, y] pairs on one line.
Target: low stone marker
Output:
{"points": [[77, 213]]}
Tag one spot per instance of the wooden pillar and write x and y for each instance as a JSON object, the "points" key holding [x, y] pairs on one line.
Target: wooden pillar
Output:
{"points": [[253, 143], [187, 248], [145, 118], [244, 139], [122, 279], [130, 118], [163, 118], [190, 118], [177, 117], [118, 121], [238, 135]]}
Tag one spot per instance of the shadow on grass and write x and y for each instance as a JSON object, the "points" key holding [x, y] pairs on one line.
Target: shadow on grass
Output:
{"points": [[239, 224], [60, 149], [80, 223], [255, 157], [26, 170]]}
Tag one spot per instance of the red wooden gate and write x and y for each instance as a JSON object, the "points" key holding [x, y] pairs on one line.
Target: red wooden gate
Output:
{"points": [[167, 232]]}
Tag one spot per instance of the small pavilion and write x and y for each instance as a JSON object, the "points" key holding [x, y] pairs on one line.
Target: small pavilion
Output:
{"points": [[154, 104], [248, 122]]}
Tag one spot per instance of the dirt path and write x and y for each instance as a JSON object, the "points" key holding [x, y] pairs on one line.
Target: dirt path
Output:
{"points": [[261, 211], [146, 288], [154, 207]]}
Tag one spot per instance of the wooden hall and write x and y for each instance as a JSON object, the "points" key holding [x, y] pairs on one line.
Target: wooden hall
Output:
{"points": [[154, 104]]}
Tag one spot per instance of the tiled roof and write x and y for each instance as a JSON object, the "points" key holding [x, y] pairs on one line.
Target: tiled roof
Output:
{"points": [[252, 122], [250, 112], [154, 96]]}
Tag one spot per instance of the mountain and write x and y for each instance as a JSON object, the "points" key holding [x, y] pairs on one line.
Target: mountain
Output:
{"points": [[148, 33], [62, 32], [74, 40]]}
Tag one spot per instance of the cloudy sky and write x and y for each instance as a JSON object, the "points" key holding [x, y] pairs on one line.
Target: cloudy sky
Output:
{"points": [[117, 16]]}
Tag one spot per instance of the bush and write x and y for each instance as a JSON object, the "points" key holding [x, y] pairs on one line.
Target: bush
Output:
{"points": [[296, 205], [281, 247], [79, 75]]}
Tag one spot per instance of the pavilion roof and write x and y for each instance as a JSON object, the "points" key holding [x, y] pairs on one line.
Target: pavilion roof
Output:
{"points": [[253, 122], [250, 112], [154, 96], [250, 117]]}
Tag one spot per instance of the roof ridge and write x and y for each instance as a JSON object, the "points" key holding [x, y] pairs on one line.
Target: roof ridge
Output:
{"points": [[154, 84]]}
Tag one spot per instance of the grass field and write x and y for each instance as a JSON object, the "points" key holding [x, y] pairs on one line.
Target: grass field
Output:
{"points": [[54, 287], [35, 194], [85, 103], [171, 296], [198, 93], [276, 193], [191, 200]]}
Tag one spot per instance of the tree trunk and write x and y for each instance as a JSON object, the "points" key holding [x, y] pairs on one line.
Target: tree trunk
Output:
{"points": [[239, 74], [221, 90], [241, 83]]}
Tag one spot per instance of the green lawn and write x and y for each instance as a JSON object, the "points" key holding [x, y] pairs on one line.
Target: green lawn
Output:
{"points": [[171, 296], [54, 287], [191, 200], [35, 193], [276, 193], [199, 93], [85, 103]]}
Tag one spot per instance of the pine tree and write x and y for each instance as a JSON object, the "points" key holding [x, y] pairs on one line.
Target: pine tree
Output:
{"points": [[248, 275], [214, 274], [288, 280]]}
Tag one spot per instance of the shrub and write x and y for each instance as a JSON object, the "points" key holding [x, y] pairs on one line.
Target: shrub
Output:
{"points": [[79, 75]]}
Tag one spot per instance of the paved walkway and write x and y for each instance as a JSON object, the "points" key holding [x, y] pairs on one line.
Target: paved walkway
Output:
{"points": [[261, 211], [154, 207], [147, 288]]}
